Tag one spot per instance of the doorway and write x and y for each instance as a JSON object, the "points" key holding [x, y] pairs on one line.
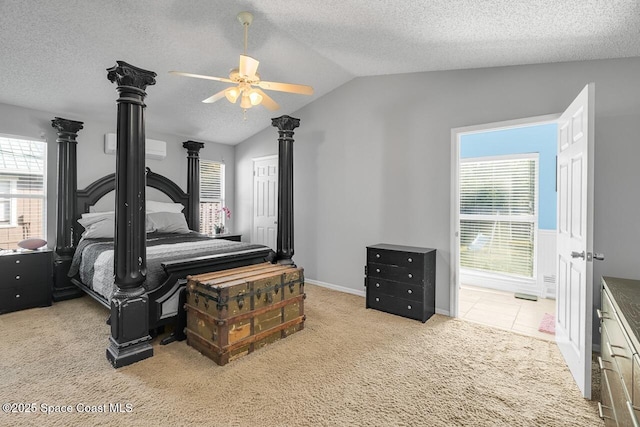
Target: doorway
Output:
{"points": [[504, 198]]}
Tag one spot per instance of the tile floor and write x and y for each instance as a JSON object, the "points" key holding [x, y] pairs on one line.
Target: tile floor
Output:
{"points": [[502, 310]]}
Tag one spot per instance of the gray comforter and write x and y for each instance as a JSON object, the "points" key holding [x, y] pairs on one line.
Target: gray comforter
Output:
{"points": [[93, 259]]}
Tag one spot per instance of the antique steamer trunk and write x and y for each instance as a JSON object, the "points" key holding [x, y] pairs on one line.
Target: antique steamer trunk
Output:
{"points": [[233, 312]]}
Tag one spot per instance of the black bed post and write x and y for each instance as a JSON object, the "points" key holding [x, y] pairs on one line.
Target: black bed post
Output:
{"points": [[285, 125], [193, 182], [130, 339], [66, 216]]}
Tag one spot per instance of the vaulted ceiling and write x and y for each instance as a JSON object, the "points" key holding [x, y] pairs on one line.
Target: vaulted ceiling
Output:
{"points": [[54, 55]]}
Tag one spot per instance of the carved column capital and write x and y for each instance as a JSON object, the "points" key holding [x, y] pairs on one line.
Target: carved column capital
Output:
{"points": [[66, 126], [127, 75], [193, 147], [285, 123]]}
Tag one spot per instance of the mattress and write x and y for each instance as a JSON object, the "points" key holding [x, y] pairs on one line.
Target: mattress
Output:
{"points": [[93, 259]]}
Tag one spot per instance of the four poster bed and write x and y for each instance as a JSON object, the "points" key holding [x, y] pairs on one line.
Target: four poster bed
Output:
{"points": [[140, 272]]}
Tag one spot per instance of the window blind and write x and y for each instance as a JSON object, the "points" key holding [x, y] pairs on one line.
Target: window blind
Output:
{"points": [[22, 190], [211, 195], [498, 215]]}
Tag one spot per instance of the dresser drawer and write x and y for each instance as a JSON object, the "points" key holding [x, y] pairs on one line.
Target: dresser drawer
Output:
{"points": [[606, 406], [395, 289], [395, 273], [413, 261], [618, 345], [618, 398], [394, 305], [635, 390]]}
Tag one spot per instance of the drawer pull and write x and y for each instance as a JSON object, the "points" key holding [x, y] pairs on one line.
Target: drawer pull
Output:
{"points": [[615, 354], [17, 295], [377, 299], [410, 260], [377, 255], [17, 261], [409, 307], [601, 315], [409, 291], [601, 364], [601, 411], [377, 270], [377, 285], [634, 419], [18, 277], [410, 275]]}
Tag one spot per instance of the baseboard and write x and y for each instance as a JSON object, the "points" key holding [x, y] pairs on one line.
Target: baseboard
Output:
{"points": [[354, 291], [335, 287]]}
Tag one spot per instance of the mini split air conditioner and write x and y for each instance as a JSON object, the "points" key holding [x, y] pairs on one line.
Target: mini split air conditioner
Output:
{"points": [[154, 149]]}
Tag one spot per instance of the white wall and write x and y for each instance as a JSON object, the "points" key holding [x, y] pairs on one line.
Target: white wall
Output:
{"points": [[94, 164], [372, 161]]}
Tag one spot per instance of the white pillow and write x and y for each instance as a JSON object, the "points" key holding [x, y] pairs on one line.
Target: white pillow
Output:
{"points": [[103, 228], [102, 225], [152, 206], [168, 222], [92, 218]]}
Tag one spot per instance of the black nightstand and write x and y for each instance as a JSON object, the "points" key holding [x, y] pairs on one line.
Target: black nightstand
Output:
{"points": [[26, 280]]}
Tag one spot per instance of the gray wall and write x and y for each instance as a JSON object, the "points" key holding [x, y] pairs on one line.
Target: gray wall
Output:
{"points": [[94, 164], [373, 161]]}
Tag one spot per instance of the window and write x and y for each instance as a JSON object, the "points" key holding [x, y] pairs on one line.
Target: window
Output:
{"points": [[498, 214], [22, 190], [211, 196]]}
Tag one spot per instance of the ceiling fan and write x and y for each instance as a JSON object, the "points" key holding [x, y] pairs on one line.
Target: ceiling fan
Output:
{"points": [[245, 77]]}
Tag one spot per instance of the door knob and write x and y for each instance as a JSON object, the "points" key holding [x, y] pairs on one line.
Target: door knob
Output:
{"points": [[575, 254], [599, 257]]}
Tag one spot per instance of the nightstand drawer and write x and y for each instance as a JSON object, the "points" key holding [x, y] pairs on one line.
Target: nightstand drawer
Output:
{"points": [[396, 289], [401, 306], [12, 277], [396, 274], [409, 260]]}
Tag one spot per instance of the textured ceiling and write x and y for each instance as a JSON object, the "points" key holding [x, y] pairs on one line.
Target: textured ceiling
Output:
{"points": [[54, 55]]}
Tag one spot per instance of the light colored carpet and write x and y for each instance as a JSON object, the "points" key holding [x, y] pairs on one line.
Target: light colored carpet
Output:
{"points": [[349, 366]]}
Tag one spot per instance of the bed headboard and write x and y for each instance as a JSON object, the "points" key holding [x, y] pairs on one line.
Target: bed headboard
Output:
{"points": [[98, 189]]}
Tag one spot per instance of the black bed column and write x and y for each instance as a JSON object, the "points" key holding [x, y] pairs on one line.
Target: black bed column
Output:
{"points": [[285, 125], [66, 216], [130, 339], [193, 182]]}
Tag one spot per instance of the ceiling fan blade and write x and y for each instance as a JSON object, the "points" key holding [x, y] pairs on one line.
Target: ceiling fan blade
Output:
{"points": [[286, 87], [267, 101], [200, 76], [248, 66], [215, 97]]}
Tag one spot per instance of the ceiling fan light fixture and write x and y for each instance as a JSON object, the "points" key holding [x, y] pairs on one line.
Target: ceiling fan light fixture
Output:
{"points": [[245, 102], [232, 94], [255, 97]]}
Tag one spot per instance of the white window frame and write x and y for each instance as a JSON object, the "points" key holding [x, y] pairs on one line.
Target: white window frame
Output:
{"points": [[533, 219]]}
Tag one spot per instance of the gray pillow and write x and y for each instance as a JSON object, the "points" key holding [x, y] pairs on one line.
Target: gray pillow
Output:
{"points": [[168, 222]]}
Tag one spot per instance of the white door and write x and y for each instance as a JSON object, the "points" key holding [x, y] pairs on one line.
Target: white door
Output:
{"points": [[265, 201], [574, 301]]}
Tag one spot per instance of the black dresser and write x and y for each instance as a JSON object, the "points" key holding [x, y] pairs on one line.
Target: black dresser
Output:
{"points": [[25, 280], [401, 280]]}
